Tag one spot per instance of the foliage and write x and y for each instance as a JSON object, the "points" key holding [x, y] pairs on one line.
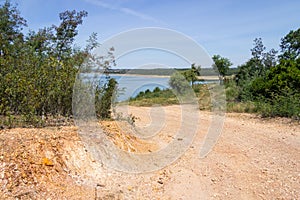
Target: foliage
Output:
{"points": [[231, 91], [251, 74], [11, 25], [284, 76], [290, 45], [191, 74], [38, 70], [257, 66], [157, 96], [167, 97], [104, 99], [273, 86], [179, 83], [221, 65], [286, 104]]}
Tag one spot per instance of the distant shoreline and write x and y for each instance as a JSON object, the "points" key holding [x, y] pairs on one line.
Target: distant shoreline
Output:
{"points": [[142, 75], [164, 76]]}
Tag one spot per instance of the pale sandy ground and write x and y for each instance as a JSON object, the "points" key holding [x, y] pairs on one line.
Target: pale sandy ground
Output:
{"points": [[253, 158]]}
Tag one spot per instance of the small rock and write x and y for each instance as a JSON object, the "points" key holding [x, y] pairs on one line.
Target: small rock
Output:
{"points": [[129, 188], [213, 180], [47, 162], [100, 185]]}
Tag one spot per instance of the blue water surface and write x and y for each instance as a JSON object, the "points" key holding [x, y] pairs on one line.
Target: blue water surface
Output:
{"points": [[132, 85]]}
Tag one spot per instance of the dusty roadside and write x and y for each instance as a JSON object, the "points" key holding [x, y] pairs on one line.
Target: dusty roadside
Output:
{"points": [[253, 159]]}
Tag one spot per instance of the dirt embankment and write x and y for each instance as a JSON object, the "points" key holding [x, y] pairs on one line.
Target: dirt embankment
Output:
{"points": [[253, 159]]}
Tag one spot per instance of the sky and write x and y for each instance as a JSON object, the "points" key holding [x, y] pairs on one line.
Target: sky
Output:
{"points": [[224, 27]]}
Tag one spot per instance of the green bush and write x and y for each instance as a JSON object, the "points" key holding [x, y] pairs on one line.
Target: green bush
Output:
{"points": [[38, 70], [231, 90], [286, 105], [104, 99], [157, 96], [179, 83]]}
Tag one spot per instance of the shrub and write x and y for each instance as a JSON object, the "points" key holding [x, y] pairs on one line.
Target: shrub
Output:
{"points": [[104, 99]]}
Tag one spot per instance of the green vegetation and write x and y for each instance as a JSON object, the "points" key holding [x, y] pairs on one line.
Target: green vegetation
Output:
{"points": [[38, 70], [221, 66], [179, 92], [155, 97], [180, 80], [272, 83], [168, 97], [179, 83], [105, 97], [267, 84], [191, 74]]}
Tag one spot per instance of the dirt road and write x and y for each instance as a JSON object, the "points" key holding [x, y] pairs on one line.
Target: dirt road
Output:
{"points": [[253, 158]]}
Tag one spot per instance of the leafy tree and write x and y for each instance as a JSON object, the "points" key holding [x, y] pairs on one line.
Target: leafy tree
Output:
{"points": [[11, 25], [290, 45], [156, 89], [284, 76], [191, 74], [67, 30], [264, 60], [258, 49], [221, 65], [179, 83], [274, 87], [269, 59], [257, 65], [38, 70]]}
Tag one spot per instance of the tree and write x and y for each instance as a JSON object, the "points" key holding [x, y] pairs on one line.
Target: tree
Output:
{"points": [[246, 72], [67, 30], [191, 74], [284, 76], [179, 83], [290, 45], [270, 59], [258, 65], [92, 43], [263, 60], [258, 49], [156, 90], [221, 65], [11, 25]]}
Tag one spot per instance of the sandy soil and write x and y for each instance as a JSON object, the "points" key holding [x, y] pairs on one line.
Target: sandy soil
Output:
{"points": [[253, 158]]}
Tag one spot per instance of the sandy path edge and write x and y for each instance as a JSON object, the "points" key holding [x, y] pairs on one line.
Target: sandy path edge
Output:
{"points": [[253, 159]]}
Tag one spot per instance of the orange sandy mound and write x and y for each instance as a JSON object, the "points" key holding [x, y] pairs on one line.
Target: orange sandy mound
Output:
{"points": [[122, 135]]}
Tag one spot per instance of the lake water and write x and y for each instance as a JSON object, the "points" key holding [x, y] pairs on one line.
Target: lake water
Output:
{"points": [[131, 85]]}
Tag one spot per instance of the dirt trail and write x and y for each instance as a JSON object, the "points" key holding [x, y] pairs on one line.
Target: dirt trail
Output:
{"points": [[252, 159]]}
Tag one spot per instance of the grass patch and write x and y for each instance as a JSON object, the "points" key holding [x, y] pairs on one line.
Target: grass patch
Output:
{"points": [[287, 105], [155, 97], [241, 107], [167, 97]]}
